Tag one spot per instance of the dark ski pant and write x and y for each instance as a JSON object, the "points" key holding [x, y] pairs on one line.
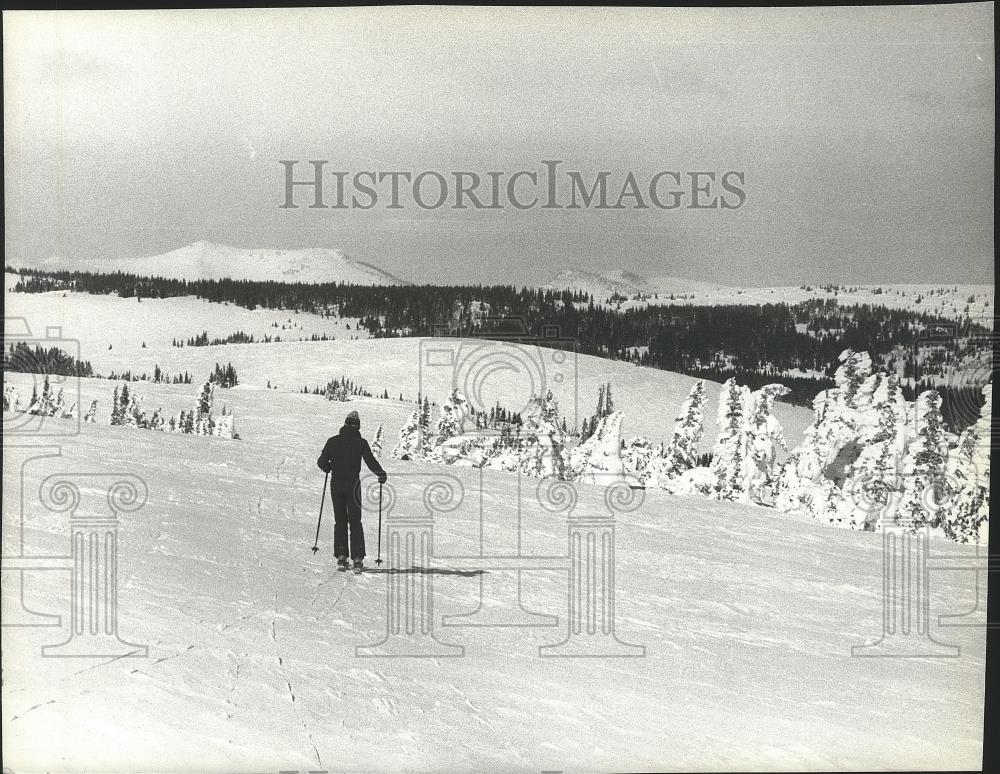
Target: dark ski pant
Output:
{"points": [[347, 518]]}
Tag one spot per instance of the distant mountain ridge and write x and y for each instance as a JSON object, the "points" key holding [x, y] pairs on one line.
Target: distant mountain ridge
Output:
{"points": [[208, 260], [623, 282]]}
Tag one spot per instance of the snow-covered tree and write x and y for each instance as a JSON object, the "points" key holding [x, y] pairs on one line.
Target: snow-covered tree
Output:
{"points": [[409, 446], [844, 421], [337, 391], [638, 454], [873, 478], [156, 421], [58, 405], [11, 398], [764, 437], [33, 402], [543, 450], [923, 468], [202, 421], [91, 415], [598, 460], [504, 451], [681, 451], [70, 413], [966, 515], [378, 441], [605, 405], [42, 404], [426, 437], [450, 424], [854, 370], [730, 456], [134, 415], [115, 407], [121, 401]]}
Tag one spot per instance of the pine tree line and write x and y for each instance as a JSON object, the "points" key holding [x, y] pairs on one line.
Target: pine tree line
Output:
{"points": [[23, 358], [159, 377], [202, 340]]}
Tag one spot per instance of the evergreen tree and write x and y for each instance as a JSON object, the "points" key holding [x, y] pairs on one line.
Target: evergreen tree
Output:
{"points": [[598, 459], [681, 451], [730, 454], [543, 452], [410, 446], [116, 417], [33, 403], [450, 424], [874, 477], [378, 441], [11, 399], [45, 404], [764, 437], [91, 416], [59, 405], [924, 484], [966, 516], [424, 437]]}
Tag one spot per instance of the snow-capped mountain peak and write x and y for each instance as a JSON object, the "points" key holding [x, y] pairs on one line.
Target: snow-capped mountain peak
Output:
{"points": [[210, 260]]}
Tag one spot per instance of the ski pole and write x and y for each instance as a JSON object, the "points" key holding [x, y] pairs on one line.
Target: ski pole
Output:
{"points": [[315, 546], [379, 559]]}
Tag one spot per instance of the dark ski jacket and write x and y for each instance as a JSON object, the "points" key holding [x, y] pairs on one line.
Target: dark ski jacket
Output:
{"points": [[341, 457]]}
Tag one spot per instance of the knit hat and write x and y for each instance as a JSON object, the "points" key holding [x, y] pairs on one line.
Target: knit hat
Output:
{"points": [[353, 420]]}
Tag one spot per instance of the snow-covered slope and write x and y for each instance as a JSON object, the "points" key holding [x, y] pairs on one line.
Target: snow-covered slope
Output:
{"points": [[624, 283], [952, 301], [748, 617], [110, 332], [207, 260]]}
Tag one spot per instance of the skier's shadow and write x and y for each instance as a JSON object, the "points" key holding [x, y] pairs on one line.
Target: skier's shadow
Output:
{"points": [[424, 571]]}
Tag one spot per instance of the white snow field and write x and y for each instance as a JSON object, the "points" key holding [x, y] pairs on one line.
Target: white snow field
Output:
{"points": [[126, 323], [747, 617], [109, 332]]}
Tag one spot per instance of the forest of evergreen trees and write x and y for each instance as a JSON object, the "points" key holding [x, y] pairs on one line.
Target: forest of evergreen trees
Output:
{"points": [[44, 360]]}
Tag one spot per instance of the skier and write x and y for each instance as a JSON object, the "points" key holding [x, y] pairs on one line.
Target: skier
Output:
{"points": [[341, 457]]}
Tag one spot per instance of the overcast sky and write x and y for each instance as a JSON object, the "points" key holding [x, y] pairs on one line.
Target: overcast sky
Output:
{"points": [[865, 135]]}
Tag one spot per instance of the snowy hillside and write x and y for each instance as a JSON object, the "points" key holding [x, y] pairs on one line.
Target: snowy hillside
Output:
{"points": [[747, 616], [110, 332], [206, 260], [952, 301], [126, 323], [624, 283]]}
